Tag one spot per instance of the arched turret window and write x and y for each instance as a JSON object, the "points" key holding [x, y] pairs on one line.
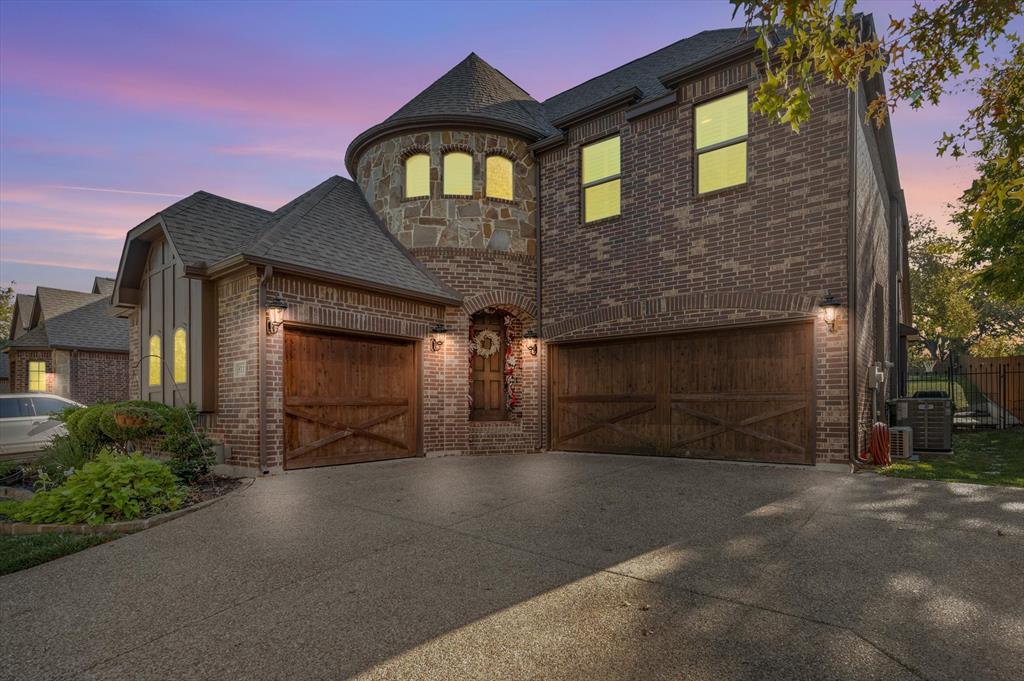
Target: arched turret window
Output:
{"points": [[458, 174], [417, 176], [499, 177]]}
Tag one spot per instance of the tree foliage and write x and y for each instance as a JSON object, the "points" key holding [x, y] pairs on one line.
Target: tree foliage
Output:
{"points": [[6, 312], [943, 311], [925, 56]]}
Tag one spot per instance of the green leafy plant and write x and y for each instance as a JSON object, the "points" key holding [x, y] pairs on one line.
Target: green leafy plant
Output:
{"points": [[190, 449], [127, 421], [64, 455], [111, 488]]}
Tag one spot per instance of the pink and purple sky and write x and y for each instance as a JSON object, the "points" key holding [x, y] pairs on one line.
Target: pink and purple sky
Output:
{"points": [[111, 111]]}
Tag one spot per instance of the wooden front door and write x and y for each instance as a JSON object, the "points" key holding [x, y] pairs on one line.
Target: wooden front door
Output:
{"points": [[348, 399], [489, 373], [744, 394]]}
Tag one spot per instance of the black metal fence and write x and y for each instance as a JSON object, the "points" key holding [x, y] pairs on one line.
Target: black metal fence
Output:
{"points": [[985, 394]]}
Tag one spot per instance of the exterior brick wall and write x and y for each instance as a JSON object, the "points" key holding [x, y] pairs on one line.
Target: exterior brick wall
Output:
{"points": [[872, 257], [237, 419], [471, 222], [673, 260], [99, 376], [19, 360]]}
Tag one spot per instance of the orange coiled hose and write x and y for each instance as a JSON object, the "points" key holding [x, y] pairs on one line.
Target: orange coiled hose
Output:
{"points": [[878, 446]]}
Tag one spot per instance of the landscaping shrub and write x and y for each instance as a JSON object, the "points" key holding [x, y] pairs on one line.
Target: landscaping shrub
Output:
{"points": [[127, 421], [191, 451], [84, 425], [64, 455], [111, 488]]}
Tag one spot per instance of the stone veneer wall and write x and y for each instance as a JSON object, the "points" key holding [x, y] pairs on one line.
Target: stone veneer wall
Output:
{"points": [[673, 260], [475, 222]]}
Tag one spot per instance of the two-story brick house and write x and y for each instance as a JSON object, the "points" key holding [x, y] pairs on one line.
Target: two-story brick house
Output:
{"points": [[636, 265]]}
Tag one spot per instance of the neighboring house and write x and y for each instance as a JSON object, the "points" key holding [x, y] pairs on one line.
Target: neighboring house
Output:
{"points": [[671, 250], [69, 343], [5, 373]]}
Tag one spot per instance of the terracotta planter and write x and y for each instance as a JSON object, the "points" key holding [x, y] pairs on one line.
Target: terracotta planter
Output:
{"points": [[129, 421]]}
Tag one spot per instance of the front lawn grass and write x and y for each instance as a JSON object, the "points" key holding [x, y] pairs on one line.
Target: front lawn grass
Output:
{"points": [[964, 391], [18, 552], [985, 457]]}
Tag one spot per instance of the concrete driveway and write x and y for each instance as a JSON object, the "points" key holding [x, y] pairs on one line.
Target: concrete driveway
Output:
{"points": [[553, 566]]}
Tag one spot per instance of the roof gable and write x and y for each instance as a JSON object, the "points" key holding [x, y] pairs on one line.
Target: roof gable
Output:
{"points": [[21, 316]]}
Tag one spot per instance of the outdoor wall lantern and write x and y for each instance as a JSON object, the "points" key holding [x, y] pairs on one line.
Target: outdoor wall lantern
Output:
{"points": [[437, 334], [275, 314], [829, 310], [531, 341]]}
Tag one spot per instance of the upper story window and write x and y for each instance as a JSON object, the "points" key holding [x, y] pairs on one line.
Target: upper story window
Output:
{"points": [[154, 360], [417, 176], [721, 142], [37, 377], [458, 174], [499, 178], [180, 356], [602, 179]]}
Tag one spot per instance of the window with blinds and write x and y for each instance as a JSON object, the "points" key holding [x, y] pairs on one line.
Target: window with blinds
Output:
{"points": [[499, 178], [721, 142], [602, 179]]}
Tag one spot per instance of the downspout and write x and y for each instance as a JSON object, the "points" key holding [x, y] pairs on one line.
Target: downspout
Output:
{"points": [[542, 407], [851, 278], [261, 352]]}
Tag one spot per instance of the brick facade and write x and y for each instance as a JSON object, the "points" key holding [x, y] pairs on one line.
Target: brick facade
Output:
{"points": [[84, 376], [763, 251]]}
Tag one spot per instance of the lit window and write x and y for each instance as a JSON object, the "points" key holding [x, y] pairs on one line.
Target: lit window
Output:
{"points": [[499, 177], [602, 186], [37, 377], [417, 176], [180, 357], [721, 142], [458, 174], [154, 360]]}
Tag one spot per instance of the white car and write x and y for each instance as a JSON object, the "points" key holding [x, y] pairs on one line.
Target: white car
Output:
{"points": [[25, 423]]}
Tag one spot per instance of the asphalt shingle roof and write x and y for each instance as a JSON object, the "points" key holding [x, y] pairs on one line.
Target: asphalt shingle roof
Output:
{"points": [[25, 303], [643, 73], [332, 229], [206, 228], [89, 327], [475, 88], [75, 320]]}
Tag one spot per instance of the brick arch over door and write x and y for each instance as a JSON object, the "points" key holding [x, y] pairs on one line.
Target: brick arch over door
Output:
{"points": [[687, 302], [522, 306]]}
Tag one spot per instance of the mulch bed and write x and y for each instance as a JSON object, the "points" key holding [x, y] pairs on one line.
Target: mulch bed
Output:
{"points": [[211, 488]]}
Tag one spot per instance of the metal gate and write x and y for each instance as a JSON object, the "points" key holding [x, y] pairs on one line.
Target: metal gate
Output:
{"points": [[986, 393]]}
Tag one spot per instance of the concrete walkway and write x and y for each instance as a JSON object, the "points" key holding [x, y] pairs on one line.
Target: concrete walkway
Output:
{"points": [[552, 566]]}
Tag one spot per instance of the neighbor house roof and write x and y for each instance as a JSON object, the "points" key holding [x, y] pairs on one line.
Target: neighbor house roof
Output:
{"points": [[74, 320], [21, 318], [104, 285]]}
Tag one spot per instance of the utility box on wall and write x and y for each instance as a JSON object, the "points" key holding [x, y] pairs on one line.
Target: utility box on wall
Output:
{"points": [[931, 420]]}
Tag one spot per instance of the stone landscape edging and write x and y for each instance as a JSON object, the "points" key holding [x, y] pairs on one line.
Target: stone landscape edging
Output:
{"points": [[122, 527]]}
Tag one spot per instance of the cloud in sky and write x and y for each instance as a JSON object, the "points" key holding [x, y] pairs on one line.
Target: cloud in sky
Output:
{"points": [[112, 110]]}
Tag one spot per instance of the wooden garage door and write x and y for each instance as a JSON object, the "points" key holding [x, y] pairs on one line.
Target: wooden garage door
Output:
{"points": [[742, 394], [348, 399]]}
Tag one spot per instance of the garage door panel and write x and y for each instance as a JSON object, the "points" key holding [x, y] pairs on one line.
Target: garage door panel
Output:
{"points": [[737, 394], [348, 399]]}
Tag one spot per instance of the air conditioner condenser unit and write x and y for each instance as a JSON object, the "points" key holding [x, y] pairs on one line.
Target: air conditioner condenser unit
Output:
{"points": [[901, 442]]}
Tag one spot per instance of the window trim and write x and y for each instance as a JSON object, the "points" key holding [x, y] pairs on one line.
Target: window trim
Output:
{"points": [[584, 186], [30, 372], [405, 175], [444, 173], [698, 152]]}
